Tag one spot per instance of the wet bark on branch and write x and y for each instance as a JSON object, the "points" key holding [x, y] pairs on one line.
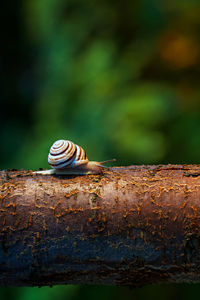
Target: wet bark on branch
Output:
{"points": [[128, 226]]}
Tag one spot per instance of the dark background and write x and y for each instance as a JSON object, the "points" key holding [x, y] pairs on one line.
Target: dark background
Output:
{"points": [[120, 78]]}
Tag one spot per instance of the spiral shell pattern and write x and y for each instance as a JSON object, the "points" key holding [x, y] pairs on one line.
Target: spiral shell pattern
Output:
{"points": [[65, 154]]}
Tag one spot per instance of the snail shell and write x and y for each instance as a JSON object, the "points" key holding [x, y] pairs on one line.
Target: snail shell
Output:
{"points": [[65, 157], [64, 154]]}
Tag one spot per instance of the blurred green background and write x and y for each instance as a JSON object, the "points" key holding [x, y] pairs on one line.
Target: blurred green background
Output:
{"points": [[120, 78]]}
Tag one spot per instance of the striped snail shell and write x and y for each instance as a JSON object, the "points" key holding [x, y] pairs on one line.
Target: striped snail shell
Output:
{"points": [[65, 157], [65, 154]]}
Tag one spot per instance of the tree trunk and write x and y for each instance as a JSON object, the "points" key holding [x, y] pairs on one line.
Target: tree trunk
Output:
{"points": [[128, 226]]}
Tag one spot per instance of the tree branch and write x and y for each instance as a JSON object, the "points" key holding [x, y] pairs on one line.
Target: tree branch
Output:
{"points": [[129, 226]]}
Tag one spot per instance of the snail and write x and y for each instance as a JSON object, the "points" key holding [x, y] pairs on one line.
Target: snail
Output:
{"points": [[67, 158]]}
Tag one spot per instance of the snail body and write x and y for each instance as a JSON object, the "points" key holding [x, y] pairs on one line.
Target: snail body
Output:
{"points": [[67, 158]]}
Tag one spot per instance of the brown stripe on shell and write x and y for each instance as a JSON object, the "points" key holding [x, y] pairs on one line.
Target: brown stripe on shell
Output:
{"points": [[71, 158], [57, 148], [82, 154], [54, 154], [71, 145]]}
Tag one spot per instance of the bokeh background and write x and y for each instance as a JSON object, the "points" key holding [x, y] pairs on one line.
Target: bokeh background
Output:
{"points": [[121, 78]]}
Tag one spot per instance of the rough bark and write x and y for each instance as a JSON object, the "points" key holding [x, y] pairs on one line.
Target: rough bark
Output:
{"points": [[128, 226]]}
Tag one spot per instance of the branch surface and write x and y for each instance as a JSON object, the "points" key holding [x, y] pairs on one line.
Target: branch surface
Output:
{"points": [[128, 226]]}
